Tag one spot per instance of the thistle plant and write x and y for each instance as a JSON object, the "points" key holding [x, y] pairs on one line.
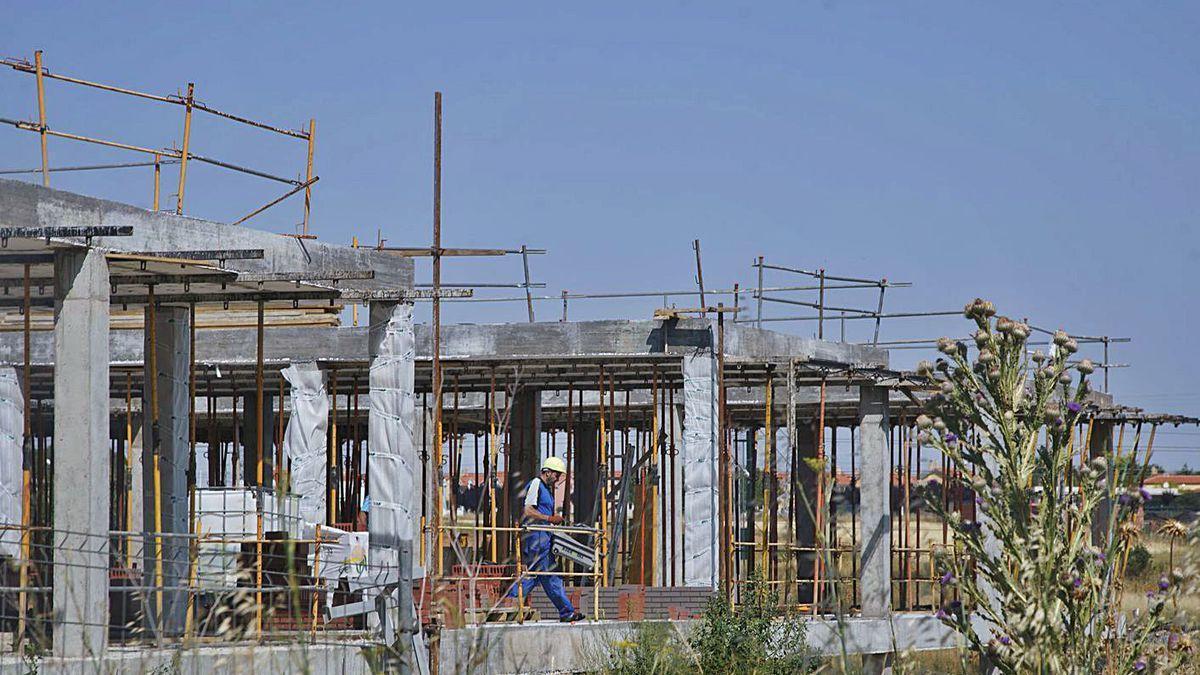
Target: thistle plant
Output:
{"points": [[1033, 583]]}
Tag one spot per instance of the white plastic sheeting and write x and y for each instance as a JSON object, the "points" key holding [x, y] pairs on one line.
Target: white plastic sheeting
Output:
{"points": [[304, 441], [699, 458], [395, 498], [12, 440]]}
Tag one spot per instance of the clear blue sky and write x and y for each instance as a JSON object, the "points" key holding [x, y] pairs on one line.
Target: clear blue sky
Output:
{"points": [[1042, 155]]}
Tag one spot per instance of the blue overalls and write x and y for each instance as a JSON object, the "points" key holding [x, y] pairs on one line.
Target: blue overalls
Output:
{"points": [[536, 555]]}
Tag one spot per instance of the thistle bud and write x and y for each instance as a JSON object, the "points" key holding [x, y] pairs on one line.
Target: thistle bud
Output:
{"points": [[925, 369], [1086, 367], [1064, 377], [1061, 338], [989, 310], [986, 356], [1038, 357], [1020, 331], [1071, 346], [1051, 413], [994, 372], [947, 388], [923, 437], [947, 346], [1099, 463], [981, 337], [939, 425], [1004, 324], [924, 422]]}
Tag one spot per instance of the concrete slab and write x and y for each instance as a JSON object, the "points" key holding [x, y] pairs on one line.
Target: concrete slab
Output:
{"points": [[27, 205]]}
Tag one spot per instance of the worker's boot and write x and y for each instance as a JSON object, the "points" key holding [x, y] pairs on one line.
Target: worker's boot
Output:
{"points": [[577, 616]]}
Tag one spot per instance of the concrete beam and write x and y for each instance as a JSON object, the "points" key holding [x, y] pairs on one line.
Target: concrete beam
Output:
{"points": [[28, 205], [81, 494], [492, 341]]}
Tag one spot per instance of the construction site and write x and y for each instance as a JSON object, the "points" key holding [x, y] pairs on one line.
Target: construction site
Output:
{"points": [[228, 449]]}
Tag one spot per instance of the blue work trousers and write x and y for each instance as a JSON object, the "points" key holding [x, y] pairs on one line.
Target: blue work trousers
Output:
{"points": [[537, 558]]}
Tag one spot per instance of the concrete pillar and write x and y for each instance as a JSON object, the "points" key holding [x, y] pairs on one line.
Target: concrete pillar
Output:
{"points": [[525, 448], [168, 438], [875, 485], [585, 479], [1100, 444], [806, 506], [750, 490], [395, 467], [81, 492], [701, 549], [305, 439], [12, 458], [249, 436]]}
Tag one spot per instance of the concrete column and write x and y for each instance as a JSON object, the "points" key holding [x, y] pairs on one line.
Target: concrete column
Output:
{"points": [[674, 512], [875, 486], [12, 458], [750, 489], [1100, 444], [585, 480], [305, 439], [525, 447], [701, 550], [395, 468], [249, 436], [81, 493], [168, 438], [806, 505]]}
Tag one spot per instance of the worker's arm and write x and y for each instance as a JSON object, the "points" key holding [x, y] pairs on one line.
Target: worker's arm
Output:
{"points": [[532, 512]]}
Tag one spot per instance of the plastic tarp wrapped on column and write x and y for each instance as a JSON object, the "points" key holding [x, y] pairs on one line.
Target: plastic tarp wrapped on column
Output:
{"points": [[699, 457], [12, 440], [395, 499], [304, 438]]}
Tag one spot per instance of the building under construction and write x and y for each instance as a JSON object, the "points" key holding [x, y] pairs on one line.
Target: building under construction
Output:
{"points": [[220, 445]]}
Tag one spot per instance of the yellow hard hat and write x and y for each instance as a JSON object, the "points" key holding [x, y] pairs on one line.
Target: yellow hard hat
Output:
{"points": [[553, 463]]}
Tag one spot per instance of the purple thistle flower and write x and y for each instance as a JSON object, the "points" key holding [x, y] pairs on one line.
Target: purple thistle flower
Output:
{"points": [[1163, 584], [1144, 493], [1124, 500], [1074, 407], [951, 437], [1139, 665], [1077, 582], [1005, 640], [1100, 557], [947, 578], [1150, 595], [941, 614], [955, 606]]}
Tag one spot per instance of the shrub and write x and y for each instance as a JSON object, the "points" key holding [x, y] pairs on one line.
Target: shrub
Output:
{"points": [[755, 637], [1028, 569], [1138, 563]]}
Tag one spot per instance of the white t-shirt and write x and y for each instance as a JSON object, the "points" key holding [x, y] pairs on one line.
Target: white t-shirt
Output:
{"points": [[531, 492]]}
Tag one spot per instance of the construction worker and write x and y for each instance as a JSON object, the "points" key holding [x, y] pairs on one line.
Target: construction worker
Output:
{"points": [[536, 545]]}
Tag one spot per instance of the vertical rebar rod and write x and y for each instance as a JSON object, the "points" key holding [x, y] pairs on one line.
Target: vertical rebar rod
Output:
{"points": [[821, 306], [878, 313], [768, 453], [157, 181], [528, 288], [41, 102], [758, 324], [699, 272], [726, 473], [193, 524], [187, 141]]}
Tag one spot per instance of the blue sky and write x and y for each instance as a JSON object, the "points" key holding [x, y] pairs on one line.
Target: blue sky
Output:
{"points": [[1042, 155]]}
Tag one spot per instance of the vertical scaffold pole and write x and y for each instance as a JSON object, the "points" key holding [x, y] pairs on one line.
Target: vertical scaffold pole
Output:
{"points": [[41, 101], [187, 142]]}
